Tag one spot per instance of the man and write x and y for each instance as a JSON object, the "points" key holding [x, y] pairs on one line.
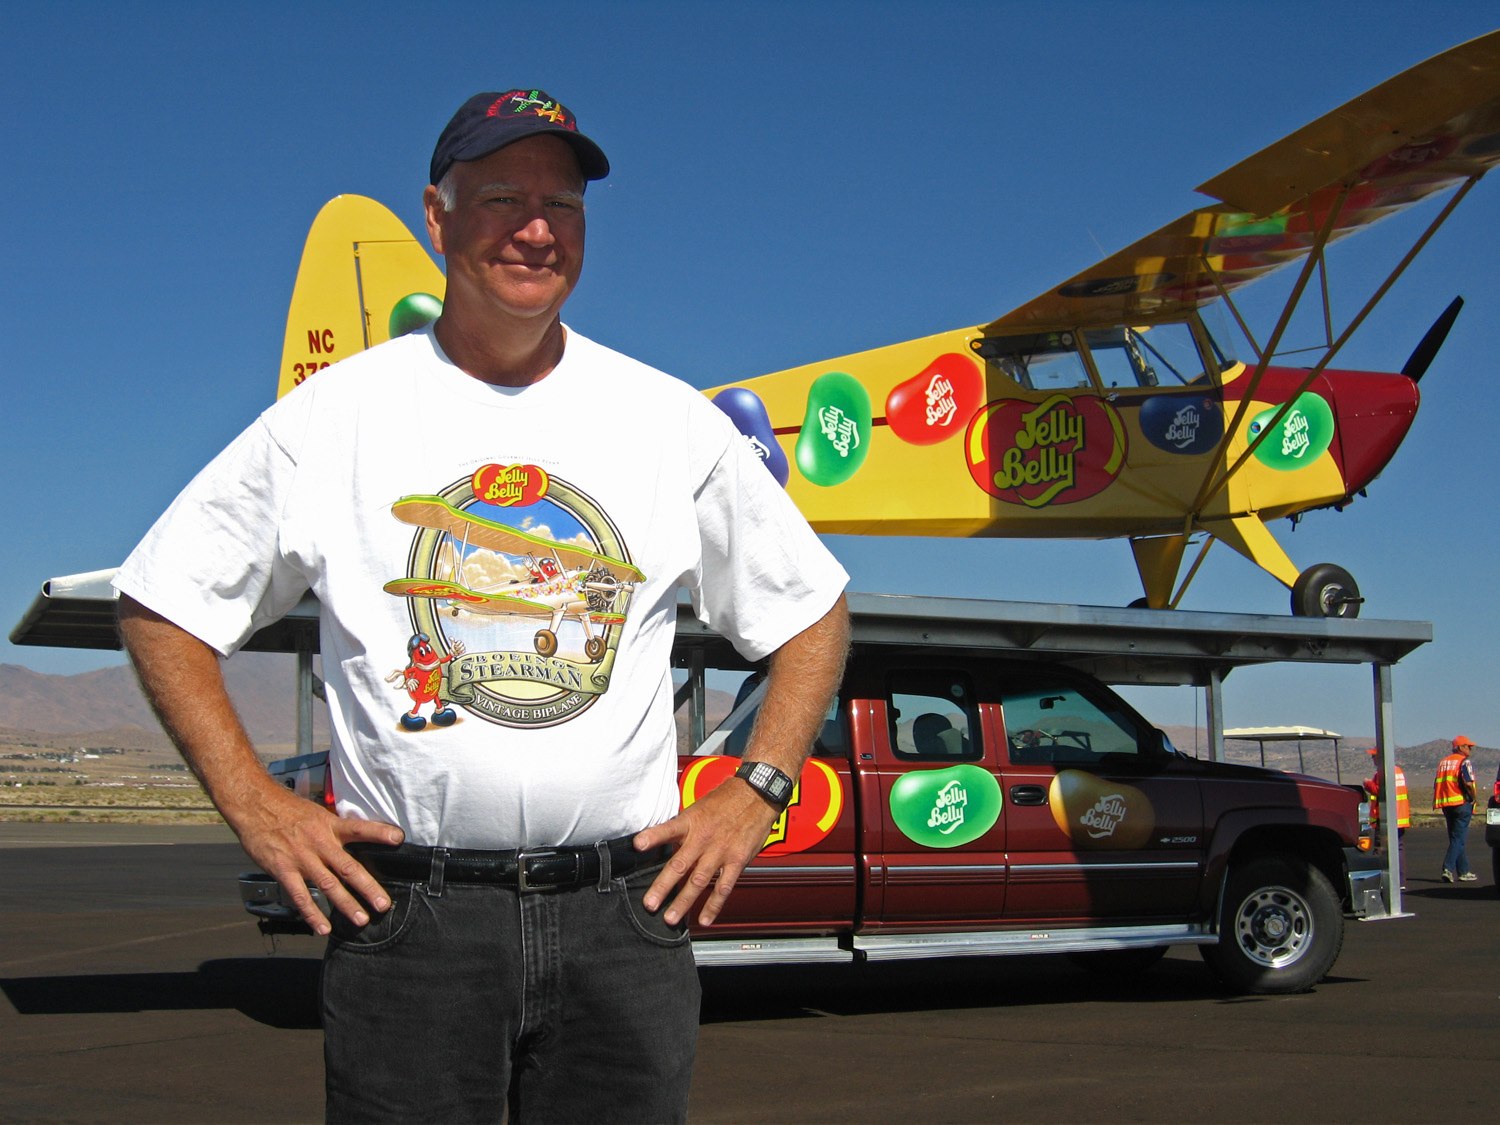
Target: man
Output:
{"points": [[1453, 793], [496, 515], [1373, 787]]}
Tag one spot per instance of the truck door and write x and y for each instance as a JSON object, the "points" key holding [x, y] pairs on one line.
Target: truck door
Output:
{"points": [[940, 857], [804, 879], [1102, 820]]}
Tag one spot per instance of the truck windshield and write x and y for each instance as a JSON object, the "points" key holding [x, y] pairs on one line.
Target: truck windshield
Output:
{"points": [[1056, 722]]}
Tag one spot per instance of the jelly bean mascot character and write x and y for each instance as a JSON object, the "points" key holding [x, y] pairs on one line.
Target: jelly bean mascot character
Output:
{"points": [[422, 678]]}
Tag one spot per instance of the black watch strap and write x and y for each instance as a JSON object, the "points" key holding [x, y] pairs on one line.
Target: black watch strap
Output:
{"points": [[768, 781]]}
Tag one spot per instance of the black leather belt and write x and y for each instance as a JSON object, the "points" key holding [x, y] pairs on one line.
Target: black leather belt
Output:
{"points": [[527, 869]]}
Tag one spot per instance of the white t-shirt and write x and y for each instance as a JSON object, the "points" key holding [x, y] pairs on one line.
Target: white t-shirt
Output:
{"points": [[498, 570]]}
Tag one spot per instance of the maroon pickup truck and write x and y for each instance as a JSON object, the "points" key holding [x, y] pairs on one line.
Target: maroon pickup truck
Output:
{"points": [[976, 806]]}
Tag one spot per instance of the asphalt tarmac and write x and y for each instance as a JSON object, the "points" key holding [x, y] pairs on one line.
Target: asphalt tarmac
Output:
{"points": [[134, 989]]}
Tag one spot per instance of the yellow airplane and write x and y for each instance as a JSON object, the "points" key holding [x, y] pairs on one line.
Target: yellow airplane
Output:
{"points": [[567, 582], [1109, 407]]}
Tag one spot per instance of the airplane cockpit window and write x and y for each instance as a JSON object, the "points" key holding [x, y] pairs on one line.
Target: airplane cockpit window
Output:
{"points": [[1039, 361], [1053, 722], [1164, 355], [932, 717], [1221, 333]]}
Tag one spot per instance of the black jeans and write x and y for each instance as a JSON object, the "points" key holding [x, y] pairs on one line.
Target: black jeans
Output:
{"points": [[562, 1006]]}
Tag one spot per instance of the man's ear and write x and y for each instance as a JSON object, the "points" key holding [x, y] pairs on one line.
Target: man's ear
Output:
{"points": [[433, 206]]}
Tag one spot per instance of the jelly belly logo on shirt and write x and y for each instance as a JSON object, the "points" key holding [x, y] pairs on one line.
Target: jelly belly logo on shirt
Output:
{"points": [[1060, 451], [1097, 814], [519, 585], [510, 485], [1302, 436], [1182, 425], [945, 808], [816, 804]]}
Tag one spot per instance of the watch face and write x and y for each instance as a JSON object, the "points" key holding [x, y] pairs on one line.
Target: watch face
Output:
{"points": [[767, 780]]}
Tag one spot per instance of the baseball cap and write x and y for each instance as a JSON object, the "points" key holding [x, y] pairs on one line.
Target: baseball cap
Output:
{"points": [[1462, 740], [490, 121]]}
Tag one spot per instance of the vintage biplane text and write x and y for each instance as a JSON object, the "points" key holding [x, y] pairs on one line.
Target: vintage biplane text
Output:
{"points": [[1113, 406]]}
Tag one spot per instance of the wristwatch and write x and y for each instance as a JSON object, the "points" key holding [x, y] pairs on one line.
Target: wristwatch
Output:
{"points": [[768, 781]]}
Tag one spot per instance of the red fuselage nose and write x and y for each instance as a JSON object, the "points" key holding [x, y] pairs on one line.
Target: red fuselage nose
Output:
{"points": [[1372, 412]]}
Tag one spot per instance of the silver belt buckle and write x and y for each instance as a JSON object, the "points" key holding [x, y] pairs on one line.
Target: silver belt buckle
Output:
{"points": [[523, 880]]}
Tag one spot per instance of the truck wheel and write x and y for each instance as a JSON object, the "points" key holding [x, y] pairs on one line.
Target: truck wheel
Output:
{"points": [[1495, 867], [1281, 929], [1119, 962]]}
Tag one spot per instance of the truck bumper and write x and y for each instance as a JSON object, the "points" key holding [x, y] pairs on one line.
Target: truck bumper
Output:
{"points": [[263, 898], [1369, 884]]}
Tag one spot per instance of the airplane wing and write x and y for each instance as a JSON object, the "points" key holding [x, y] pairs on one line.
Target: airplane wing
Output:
{"points": [[363, 279], [1427, 129], [435, 512], [471, 600]]}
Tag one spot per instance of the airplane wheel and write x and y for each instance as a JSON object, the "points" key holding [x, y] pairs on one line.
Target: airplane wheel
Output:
{"points": [[1325, 590], [546, 642], [1140, 603], [593, 648]]}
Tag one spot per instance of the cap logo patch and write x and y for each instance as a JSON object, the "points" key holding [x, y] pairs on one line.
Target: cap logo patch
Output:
{"points": [[534, 103]]}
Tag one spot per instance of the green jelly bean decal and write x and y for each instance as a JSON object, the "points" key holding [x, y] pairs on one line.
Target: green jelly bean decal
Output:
{"points": [[945, 808], [1300, 438], [835, 430]]}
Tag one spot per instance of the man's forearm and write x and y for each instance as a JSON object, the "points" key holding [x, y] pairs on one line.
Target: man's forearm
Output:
{"points": [[804, 677], [294, 840], [184, 684]]}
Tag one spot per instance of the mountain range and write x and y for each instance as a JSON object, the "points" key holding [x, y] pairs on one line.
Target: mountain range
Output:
{"points": [[106, 707]]}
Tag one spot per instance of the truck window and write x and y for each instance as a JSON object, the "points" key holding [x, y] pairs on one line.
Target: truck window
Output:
{"points": [[732, 736], [932, 717], [1055, 722]]}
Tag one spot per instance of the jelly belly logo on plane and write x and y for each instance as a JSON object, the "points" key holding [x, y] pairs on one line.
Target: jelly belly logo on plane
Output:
{"points": [[835, 435], [1060, 451], [518, 586], [945, 808], [936, 403], [1182, 425], [1100, 815], [1302, 436], [817, 801]]}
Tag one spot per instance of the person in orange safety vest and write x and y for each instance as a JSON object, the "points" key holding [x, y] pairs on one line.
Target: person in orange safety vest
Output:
{"points": [[1453, 793], [1372, 788]]}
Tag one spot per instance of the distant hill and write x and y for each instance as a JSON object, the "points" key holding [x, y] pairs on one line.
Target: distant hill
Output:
{"points": [[261, 684], [106, 708]]}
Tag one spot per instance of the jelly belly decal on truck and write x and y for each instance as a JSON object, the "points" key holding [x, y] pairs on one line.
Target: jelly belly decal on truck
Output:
{"points": [[518, 587], [1060, 451], [945, 808], [817, 801], [1098, 814]]}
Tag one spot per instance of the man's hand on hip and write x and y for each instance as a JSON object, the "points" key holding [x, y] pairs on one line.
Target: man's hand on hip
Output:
{"points": [[716, 836], [298, 843]]}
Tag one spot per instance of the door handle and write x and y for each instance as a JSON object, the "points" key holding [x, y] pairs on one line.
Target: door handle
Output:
{"points": [[1028, 795]]}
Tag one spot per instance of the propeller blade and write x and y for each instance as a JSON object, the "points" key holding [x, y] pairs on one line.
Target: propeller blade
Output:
{"points": [[1422, 358]]}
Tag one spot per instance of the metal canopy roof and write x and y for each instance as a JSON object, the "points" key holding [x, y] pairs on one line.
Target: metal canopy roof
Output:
{"points": [[1119, 646]]}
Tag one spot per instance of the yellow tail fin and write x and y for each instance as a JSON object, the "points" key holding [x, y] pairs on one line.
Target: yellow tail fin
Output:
{"points": [[363, 279]]}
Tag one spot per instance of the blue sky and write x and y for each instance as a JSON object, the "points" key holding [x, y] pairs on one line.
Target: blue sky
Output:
{"points": [[791, 182]]}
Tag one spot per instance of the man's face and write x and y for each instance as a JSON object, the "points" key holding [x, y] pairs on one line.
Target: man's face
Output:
{"points": [[514, 239]]}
